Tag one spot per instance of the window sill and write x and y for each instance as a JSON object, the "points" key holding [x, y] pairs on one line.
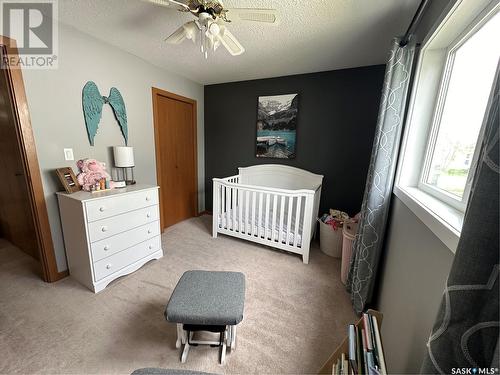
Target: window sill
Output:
{"points": [[444, 221]]}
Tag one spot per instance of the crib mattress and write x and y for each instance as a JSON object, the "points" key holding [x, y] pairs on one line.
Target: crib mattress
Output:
{"points": [[262, 232]]}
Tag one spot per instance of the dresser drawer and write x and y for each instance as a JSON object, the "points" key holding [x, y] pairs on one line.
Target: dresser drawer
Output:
{"points": [[105, 228], [112, 245], [116, 262], [114, 205]]}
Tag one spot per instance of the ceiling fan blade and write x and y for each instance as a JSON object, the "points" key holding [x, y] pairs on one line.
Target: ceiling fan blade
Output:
{"points": [[177, 37], [230, 42], [186, 31], [251, 14], [169, 4]]}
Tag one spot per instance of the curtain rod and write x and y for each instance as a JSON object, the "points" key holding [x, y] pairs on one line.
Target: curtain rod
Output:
{"points": [[414, 22]]}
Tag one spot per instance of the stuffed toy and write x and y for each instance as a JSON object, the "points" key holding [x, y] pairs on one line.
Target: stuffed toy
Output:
{"points": [[91, 172]]}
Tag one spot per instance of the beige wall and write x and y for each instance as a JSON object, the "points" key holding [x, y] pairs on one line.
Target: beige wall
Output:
{"points": [[55, 101], [412, 281]]}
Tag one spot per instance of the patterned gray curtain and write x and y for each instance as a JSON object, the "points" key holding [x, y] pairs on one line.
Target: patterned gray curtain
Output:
{"points": [[465, 334], [368, 243]]}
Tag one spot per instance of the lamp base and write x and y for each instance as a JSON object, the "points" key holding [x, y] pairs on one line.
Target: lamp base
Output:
{"points": [[125, 175], [119, 184]]}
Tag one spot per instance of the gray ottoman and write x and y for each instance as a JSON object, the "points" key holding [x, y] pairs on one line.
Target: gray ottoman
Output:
{"points": [[207, 301]]}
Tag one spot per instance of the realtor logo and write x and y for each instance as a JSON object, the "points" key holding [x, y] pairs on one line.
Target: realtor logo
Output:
{"points": [[474, 370], [33, 26]]}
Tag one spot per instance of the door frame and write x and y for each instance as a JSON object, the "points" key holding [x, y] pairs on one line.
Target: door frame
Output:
{"points": [[156, 93], [26, 143]]}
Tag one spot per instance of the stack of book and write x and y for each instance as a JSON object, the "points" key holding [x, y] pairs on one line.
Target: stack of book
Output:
{"points": [[365, 354]]}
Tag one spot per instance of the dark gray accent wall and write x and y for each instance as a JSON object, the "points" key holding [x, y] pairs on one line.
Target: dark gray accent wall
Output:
{"points": [[336, 124]]}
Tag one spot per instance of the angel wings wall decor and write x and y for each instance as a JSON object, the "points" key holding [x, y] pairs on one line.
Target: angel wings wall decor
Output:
{"points": [[92, 109]]}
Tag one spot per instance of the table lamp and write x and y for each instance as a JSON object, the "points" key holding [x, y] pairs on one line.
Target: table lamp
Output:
{"points": [[124, 163]]}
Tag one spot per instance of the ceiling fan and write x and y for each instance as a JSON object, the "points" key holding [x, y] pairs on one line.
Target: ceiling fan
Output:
{"points": [[210, 25]]}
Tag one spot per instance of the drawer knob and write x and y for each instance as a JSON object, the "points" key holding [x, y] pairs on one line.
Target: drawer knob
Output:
{"points": [[148, 215], [148, 198], [106, 248], [104, 229], [149, 231], [150, 247], [102, 209], [108, 266]]}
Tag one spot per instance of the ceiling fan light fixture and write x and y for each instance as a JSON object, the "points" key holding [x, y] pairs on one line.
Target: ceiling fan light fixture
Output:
{"points": [[191, 31], [210, 23], [214, 29]]}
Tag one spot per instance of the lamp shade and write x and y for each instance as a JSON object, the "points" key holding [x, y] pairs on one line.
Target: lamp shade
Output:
{"points": [[124, 156]]}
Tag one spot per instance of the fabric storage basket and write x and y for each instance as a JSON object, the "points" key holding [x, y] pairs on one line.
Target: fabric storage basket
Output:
{"points": [[330, 240], [348, 233]]}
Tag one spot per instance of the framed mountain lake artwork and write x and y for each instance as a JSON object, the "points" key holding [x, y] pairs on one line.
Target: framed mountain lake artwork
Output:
{"points": [[277, 126]]}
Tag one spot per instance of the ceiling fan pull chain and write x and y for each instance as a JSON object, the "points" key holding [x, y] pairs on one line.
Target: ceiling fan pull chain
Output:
{"points": [[203, 38]]}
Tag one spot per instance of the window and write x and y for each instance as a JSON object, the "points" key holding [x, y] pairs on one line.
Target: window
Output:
{"points": [[452, 146], [453, 81]]}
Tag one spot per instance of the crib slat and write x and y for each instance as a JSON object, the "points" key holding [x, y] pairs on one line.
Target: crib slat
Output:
{"points": [[297, 222], [228, 206], [266, 222], [222, 209], [289, 221], [273, 224], [247, 209], [240, 208], [217, 211], [282, 218], [259, 219], [233, 212], [221, 205], [254, 199]]}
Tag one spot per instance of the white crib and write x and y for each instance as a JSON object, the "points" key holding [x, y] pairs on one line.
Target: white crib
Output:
{"points": [[271, 204]]}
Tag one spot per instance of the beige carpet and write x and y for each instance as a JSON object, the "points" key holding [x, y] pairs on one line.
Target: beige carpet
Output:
{"points": [[295, 314]]}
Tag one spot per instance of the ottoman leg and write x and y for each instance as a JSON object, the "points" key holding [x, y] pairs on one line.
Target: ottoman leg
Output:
{"points": [[185, 351], [181, 338], [229, 332], [223, 348], [233, 338]]}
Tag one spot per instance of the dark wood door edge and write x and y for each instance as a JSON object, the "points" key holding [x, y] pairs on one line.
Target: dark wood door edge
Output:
{"points": [[156, 93], [61, 275], [30, 160]]}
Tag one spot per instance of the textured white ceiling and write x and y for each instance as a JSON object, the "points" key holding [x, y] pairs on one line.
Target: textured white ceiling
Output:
{"points": [[312, 35]]}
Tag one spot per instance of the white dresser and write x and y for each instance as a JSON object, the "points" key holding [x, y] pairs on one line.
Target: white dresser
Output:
{"points": [[111, 233]]}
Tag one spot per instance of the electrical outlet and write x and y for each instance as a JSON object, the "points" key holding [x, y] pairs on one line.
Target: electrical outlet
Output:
{"points": [[68, 154]]}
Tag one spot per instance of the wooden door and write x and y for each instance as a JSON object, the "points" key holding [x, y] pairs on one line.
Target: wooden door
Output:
{"points": [[16, 218], [176, 160], [31, 170]]}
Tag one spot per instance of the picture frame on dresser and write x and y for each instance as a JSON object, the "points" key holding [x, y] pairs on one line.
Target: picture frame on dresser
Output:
{"points": [[68, 179], [110, 235]]}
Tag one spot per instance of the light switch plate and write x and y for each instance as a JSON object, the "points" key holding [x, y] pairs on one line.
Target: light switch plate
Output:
{"points": [[68, 154]]}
